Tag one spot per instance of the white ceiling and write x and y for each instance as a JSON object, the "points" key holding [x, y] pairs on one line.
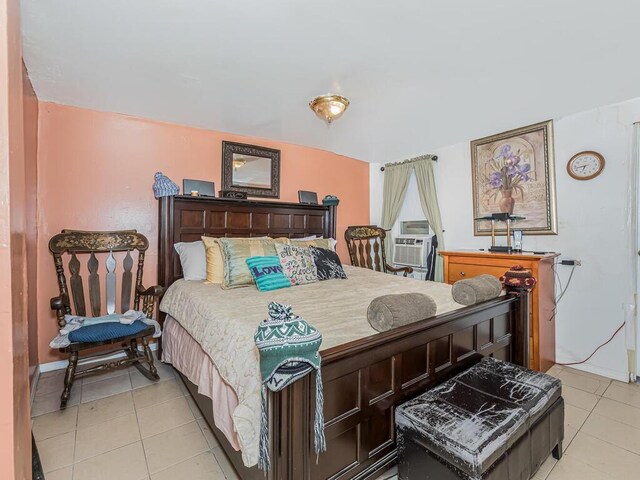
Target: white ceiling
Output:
{"points": [[420, 74]]}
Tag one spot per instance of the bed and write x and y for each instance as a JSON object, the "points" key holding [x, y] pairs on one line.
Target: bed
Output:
{"points": [[365, 374]]}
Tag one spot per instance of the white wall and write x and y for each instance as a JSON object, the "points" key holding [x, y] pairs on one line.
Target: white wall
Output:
{"points": [[595, 226]]}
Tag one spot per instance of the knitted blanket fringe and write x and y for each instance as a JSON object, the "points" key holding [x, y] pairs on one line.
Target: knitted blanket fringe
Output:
{"points": [[264, 462], [320, 442]]}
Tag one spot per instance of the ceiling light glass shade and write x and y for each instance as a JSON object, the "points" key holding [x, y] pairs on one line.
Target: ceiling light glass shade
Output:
{"points": [[329, 107]]}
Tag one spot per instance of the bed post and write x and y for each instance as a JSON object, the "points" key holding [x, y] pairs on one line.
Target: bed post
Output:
{"points": [[290, 427], [330, 222], [520, 330], [165, 239], [165, 256]]}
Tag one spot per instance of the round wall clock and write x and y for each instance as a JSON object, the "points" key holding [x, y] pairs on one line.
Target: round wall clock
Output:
{"points": [[585, 165]]}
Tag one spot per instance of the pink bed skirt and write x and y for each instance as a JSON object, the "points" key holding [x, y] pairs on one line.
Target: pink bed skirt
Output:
{"points": [[186, 355]]}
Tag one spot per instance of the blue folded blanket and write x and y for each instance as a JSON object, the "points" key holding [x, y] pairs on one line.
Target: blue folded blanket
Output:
{"points": [[76, 322]]}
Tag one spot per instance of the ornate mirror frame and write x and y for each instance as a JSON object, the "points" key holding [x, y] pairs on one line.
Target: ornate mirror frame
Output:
{"points": [[231, 148]]}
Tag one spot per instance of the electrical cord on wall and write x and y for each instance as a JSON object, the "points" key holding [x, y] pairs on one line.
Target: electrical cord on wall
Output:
{"points": [[599, 347], [556, 301], [563, 290], [555, 275]]}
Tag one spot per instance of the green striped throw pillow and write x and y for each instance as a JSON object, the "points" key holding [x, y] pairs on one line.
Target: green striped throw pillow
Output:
{"points": [[235, 252], [267, 273]]}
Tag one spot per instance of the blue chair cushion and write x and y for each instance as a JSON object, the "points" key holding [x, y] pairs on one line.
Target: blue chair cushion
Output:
{"points": [[106, 331]]}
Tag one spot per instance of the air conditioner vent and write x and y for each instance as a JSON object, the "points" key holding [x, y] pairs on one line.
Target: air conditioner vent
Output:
{"points": [[411, 250]]}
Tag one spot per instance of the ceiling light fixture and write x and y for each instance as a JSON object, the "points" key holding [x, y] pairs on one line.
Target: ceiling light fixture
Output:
{"points": [[329, 107], [239, 163]]}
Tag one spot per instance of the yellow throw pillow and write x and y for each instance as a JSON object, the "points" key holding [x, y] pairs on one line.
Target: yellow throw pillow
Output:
{"points": [[318, 242], [215, 263]]}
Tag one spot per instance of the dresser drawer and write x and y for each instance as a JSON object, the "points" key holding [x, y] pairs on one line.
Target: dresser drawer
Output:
{"points": [[459, 271]]}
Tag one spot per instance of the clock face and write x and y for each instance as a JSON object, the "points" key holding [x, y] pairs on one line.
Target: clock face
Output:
{"points": [[585, 165]]}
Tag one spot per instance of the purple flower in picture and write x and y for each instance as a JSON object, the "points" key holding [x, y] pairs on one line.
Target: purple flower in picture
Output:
{"points": [[496, 180], [505, 151], [508, 171], [523, 171], [511, 165]]}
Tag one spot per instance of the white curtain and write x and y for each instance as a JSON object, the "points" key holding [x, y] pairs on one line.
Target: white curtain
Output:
{"points": [[396, 181], [429, 203]]}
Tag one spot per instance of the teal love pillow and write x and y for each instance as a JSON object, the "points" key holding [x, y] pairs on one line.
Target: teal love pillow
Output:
{"points": [[267, 273]]}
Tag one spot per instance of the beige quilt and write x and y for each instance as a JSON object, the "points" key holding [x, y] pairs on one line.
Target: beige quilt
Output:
{"points": [[224, 322]]}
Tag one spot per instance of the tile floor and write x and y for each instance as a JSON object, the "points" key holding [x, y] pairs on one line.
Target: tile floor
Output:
{"points": [[119, 425]]}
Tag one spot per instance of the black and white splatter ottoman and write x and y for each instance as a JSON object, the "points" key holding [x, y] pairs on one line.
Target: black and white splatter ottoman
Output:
{"points": [[495, 421]]}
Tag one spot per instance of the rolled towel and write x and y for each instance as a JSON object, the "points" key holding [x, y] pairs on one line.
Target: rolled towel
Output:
{"points": [[391, 311], [477, 289]]}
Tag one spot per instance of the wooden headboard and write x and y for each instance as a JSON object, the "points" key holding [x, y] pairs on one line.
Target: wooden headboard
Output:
{"points": [[186, 219]]}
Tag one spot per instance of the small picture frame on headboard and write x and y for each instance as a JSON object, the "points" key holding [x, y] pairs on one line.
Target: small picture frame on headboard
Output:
{"points": [[308, 198], [198, 188]]}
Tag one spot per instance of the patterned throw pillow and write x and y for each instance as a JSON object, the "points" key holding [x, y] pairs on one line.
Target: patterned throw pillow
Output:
{"points": [[328, 264], [267, 273], [298, 264], [235, 252]]}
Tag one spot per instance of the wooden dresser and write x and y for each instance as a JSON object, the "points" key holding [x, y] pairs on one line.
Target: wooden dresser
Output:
{"points": [[542, 327]]}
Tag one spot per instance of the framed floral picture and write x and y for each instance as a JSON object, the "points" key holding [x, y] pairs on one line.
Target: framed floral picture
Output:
{"points": [[513, 172]]}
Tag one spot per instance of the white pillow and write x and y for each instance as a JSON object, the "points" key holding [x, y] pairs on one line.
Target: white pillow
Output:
{"points": [[193, 259], [310, 237]]}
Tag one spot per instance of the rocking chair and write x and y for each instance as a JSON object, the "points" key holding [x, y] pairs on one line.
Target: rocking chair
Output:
{"points": [[364, 240], [93, 245]]}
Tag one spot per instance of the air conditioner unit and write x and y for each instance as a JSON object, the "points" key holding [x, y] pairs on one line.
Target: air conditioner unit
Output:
{"points": [[411, 250]]}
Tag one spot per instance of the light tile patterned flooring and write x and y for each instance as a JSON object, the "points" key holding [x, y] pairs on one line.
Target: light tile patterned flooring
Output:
{"points": [[119, 425]]}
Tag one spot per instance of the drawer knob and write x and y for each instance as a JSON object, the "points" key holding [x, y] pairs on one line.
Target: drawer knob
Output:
{"points": [[462, 274]]}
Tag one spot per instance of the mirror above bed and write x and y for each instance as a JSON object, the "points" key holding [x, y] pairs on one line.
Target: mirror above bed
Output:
{"points": [[251, 169]]}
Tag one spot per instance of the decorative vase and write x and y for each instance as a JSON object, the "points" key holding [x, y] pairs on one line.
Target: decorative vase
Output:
{"points": [[507, 202], [518, 279]]}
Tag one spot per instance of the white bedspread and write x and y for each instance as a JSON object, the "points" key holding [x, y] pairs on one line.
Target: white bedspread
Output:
{"points": [[224, 322]]}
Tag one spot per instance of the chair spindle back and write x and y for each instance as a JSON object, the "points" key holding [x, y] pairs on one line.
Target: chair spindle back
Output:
{"points": [[366, 247], [96, 245]]}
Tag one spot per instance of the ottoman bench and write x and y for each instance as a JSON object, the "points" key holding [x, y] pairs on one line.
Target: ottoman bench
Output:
{"points": [[495, 421]]}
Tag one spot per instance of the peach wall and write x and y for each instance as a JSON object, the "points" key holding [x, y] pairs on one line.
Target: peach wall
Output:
{"points": [[30, 111], [95, 171], [15, 439]]}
